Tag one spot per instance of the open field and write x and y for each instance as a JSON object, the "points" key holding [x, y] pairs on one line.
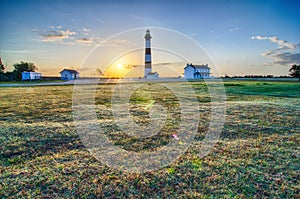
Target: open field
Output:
{"points": [[257, 155]]}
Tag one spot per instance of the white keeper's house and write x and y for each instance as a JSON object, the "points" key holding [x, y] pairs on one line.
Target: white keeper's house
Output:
{"points": [[196, 71]]}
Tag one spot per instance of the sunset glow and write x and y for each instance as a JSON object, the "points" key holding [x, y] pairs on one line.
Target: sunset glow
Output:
{"points": [[238, 40]]}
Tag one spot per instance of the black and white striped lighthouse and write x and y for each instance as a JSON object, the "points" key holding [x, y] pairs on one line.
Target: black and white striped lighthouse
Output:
{"points": [[148, 66]]}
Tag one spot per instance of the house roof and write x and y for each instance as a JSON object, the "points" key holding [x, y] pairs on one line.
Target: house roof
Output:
{"points": [[70, 71], [205, 66], [201, 66]]}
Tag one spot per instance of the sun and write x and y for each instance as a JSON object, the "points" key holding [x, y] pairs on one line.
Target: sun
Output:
{"points": [[120, 66]]}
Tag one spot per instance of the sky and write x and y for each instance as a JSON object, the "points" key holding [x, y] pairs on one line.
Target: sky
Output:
{"points": [[233, 37]]}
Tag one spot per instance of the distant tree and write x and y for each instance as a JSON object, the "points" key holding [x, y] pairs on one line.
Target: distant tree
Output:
{"points": [[25, 66], [99, 72], [2, 70], [295, 71], [21, 67], [7, 76], [2, 67]]}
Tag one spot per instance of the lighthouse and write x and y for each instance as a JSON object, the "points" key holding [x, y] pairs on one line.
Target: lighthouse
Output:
{"points": [[148, 65]]}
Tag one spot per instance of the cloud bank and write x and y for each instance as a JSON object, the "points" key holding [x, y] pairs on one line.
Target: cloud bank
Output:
{"points": [[84, 36], [54, 35], [84, 40], [284, 53]]}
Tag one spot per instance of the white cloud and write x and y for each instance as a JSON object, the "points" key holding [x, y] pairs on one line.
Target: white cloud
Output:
{"points": [[285, 58], [55, 27], [259, 37], [68, 32], [56, 35], [282, 55], [84, 41], [86, 30], [53, 36], [83, 36], [281, 43]]}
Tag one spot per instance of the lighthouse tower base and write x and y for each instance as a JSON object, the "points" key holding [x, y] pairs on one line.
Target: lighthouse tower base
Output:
{"points": [[147, 71]]}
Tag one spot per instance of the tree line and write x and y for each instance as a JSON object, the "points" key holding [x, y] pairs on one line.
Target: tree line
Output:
{"points": [[294, 71], [16, 74]]}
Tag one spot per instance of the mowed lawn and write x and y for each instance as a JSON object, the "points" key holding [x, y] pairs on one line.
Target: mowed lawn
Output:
{"points": [[257, 156]]}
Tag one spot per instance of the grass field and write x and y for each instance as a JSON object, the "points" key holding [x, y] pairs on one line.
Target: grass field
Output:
{"points": [[257, 155]]}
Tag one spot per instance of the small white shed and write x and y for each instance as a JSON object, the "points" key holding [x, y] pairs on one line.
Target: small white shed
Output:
{"points": [[68, 74], [31, 76]]}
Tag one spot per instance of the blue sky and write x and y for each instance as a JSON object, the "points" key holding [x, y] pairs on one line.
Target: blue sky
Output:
{"points": [[240, 37]]}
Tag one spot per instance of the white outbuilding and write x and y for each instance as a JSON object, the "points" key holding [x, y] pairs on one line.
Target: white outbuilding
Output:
{"points": [[68, 74], [31, 76], [196, 71]]}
